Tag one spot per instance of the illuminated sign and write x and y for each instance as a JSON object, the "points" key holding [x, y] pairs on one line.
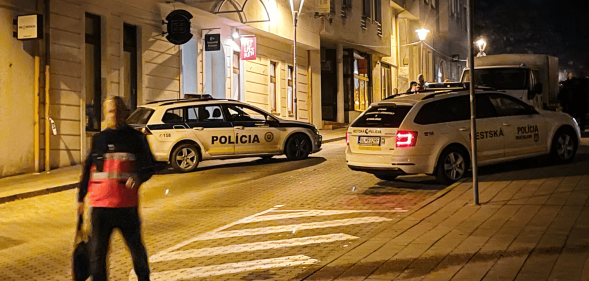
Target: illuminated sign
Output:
{"points": [[248, 48]]}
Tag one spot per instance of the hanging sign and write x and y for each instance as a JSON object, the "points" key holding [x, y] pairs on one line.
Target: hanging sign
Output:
{"points": [[29, 27], [248, 48], [212, 42], [178, 27]]}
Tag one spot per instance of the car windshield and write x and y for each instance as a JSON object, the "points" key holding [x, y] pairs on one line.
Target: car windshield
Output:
{"points": [[499, 78], [140, 116], [382, 116]]}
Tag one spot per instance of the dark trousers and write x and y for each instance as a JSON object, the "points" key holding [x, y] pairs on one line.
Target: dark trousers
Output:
{"points": [[103, 222]]}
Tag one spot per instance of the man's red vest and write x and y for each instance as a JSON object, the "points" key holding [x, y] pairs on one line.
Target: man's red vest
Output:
{"points": [[107, 187]]}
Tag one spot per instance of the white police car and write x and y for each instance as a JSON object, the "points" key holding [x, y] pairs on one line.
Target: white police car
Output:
{"points": [[430, 133], [185, 132]]}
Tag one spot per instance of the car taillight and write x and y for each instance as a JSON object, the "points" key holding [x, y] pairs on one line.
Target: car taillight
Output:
{"points": [[144, 130], [347, 139], [406, 138]]}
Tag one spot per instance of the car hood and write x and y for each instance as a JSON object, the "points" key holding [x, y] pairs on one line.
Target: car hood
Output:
{"points": [[294, 123]]}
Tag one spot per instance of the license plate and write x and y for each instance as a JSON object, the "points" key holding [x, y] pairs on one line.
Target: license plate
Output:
{"points": [[369, 141]]}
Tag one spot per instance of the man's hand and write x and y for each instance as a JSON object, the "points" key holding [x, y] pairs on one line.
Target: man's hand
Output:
{"points": [[80, 208], [132, 182]]}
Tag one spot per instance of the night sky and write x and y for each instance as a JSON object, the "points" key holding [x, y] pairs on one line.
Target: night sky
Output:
{"points": [[558, 28]]}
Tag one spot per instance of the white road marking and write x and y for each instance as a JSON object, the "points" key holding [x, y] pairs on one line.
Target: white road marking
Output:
{"points": [[290, 227], [311, 213], [249, 247], [227, 268]]}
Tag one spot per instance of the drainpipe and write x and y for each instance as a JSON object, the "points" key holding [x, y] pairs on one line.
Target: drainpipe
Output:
{"points": [[47, 63]]}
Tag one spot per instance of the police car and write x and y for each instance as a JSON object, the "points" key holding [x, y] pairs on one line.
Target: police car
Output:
{"points": [[430, 133], [185, 132]]}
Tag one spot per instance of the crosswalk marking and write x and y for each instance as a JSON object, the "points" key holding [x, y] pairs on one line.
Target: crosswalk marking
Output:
{"points": [[311, 213], [290, 227], [227, 268], [266, 245]]}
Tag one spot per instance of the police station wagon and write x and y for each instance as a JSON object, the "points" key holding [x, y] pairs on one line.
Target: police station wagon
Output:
{"points": [[430, 133], [185, 132]]}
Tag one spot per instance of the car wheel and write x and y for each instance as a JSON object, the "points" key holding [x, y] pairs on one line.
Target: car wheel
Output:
{"points": [[452, 165], [298, 147], [564, 146], [185, 158], [385, 176]]}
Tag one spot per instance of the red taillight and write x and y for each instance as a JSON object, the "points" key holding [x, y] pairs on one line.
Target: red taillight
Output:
{"points": [[406, 138], [144, 130], [347, 139]]}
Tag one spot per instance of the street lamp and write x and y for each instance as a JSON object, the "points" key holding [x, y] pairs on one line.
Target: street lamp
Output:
{"points": [[295, 20], [422, 34], [482, 44]]}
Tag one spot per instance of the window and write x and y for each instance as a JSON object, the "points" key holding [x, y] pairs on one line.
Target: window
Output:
{"points": [[446, 110], [453, 7], [130, 65], [210, 113], [366, 8], [361, 81], [387, 80], [93, 79], [377, 11], [382, 116], [140, 116], [346, 3], [289, 94], [240, 113], [175, 115], [273, 89], [508, 106]]}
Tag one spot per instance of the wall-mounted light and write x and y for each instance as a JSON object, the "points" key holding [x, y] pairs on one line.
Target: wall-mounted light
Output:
{"points": [[235, 33]]}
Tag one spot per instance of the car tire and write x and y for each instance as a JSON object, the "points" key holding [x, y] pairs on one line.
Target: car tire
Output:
{"points": [[297, 147], [185, 158], [564, 146], [386, 176], [452, 165]]}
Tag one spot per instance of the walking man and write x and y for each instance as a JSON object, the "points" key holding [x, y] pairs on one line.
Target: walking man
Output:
{"points": [[118, 163]]}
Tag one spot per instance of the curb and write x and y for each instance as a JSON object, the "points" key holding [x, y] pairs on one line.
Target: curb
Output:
{"points": [[314, 269], [35, 193], [334, 139]]}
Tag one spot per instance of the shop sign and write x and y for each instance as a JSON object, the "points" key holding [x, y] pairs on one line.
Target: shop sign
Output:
{"points": [[248, 48], [212, 42], [178, 27], [29, 27]]}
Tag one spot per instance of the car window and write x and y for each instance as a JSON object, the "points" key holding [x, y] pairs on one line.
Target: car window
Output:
{"points": [[382, 116], [211, 113], [485, 108], [244, 113], [140, 116], [192, 114], [508, 106], [174, 115], [446, 110]]}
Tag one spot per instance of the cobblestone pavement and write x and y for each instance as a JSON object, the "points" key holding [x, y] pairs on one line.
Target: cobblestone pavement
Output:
{"points": [[245, 219]]}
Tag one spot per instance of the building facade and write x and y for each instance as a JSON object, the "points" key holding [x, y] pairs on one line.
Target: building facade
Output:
{"points": [[355, 53]]}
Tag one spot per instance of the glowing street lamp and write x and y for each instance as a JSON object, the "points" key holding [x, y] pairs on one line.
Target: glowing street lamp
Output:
{"points": [[295, 21], [482, 44], [422, 34]]}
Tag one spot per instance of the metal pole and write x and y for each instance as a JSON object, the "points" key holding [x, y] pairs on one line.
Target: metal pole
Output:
{"points": [[36, 114], [294, 67], [473, 122], [421, 59]]}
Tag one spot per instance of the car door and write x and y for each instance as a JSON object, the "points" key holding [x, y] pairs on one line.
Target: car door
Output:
{"points": [[172, 127], [489, 135], [256, 132], [209, 125], [524, 127]]}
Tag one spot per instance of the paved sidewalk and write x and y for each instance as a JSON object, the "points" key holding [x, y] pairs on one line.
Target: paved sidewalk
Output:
{"points": [[35, 184], [532, 224]]}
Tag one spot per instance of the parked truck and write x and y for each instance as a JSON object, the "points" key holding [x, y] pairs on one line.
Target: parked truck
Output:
{"points": [[532, 78]]}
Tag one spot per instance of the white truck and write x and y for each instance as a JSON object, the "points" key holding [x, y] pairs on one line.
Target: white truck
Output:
{"points": [[532, 78]]}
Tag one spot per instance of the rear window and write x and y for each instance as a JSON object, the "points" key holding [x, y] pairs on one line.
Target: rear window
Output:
{"points": [[140, 116], [389, 116], [446, 110]]}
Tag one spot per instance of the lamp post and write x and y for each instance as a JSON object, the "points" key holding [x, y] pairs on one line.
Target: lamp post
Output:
{"points": [[295, 21], [422, 34], [482, 44]]}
